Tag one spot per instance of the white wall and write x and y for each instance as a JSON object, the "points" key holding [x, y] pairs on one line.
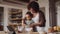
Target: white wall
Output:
{"points": [[58, 15], [58, 12]]}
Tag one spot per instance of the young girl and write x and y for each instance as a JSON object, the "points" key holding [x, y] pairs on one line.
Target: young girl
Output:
{"points": [[27, 21]]}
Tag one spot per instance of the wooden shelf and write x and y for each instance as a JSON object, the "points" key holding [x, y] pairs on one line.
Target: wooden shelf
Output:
{"points": [[14, 24], [15, 18], [15, 15], [15, 12]]}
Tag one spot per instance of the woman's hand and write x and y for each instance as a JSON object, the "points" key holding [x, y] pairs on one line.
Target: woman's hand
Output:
{"points": [[33, 24]]}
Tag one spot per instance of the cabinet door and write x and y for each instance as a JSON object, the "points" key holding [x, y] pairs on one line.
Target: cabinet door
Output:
{"points": [[1, 18]]}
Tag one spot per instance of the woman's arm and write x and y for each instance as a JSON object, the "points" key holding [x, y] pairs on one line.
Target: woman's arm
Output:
{"points": [[36, 24], [41, 20]]}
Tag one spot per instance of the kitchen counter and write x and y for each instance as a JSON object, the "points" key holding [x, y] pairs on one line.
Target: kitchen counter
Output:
{"points": [[30, 33], [2, 32]]}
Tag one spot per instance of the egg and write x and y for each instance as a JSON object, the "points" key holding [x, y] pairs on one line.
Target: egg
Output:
{"points": [[55, 28]]}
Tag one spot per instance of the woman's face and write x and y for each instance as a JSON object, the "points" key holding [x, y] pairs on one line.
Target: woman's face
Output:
{"points": [[32, 10]]}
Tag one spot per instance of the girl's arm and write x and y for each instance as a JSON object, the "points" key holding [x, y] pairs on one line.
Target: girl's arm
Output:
{"points": [[23, 24]]}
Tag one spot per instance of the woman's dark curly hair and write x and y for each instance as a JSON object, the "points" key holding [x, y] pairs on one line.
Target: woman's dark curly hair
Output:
{"points": [[34, 5]]}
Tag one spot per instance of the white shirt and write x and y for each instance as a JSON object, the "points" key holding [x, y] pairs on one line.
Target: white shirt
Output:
{"points": [[36, 20]]}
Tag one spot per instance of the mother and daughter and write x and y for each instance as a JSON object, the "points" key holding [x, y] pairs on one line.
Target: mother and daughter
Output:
{"points": [[34, 18]]}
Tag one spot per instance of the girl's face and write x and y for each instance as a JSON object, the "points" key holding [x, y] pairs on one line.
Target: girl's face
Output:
{"points": [[28, 17]]}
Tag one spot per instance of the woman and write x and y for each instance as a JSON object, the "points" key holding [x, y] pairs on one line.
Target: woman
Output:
{"points": [[38, 16]]}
